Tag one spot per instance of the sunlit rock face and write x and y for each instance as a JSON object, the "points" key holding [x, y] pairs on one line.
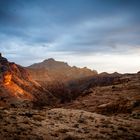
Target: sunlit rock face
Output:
{"points": [[5, 72], [7, 78], [18, 89]]}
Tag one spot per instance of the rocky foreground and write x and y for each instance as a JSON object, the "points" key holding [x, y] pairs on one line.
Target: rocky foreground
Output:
{"points": [[64, 124]]}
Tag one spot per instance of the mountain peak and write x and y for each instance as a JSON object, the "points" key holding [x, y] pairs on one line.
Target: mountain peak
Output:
{"points": [[50, 64], [49, 60]]}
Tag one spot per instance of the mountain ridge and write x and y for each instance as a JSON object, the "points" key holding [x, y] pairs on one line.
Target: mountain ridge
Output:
{"points": [[17, 86], [50, 68]]}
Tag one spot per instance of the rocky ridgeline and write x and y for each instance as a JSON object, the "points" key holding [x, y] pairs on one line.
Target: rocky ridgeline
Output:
{"points": [[5, 71], [52, 70], [17, 88], [9, 71]]}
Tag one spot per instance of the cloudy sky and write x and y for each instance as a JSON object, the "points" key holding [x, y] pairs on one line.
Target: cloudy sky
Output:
{"points": [[100, 34]]}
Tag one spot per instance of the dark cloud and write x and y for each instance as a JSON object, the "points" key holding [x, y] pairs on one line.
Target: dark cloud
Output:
{"points": [[71, 26]]}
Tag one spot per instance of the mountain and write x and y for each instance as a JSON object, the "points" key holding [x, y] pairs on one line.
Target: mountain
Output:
{"points": [[50, 64], [59, 78], [17, 88], [50, 70], [52, 100], [69, 84]]}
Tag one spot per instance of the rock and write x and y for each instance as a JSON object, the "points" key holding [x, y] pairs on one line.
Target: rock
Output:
{"points": [[38, 118], [7, 76]]}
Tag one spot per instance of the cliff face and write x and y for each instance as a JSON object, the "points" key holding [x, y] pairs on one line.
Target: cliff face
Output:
{"points": [[5, 72], [7, 78], [17, 87]]}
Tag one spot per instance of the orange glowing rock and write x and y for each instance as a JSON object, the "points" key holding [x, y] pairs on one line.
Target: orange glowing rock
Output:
{"points": [[7, 76]]}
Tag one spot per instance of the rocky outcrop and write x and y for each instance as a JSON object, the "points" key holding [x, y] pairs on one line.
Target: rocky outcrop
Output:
{"points": [[7, 76], [5, 71]]}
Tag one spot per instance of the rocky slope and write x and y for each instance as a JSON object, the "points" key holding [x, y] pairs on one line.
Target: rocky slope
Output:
{"points": [[121, 96], [17, 88], [65, 124], [57, 77]]}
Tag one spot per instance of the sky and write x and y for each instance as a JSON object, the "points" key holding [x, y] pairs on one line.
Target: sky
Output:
{"points": [[101, 34]]}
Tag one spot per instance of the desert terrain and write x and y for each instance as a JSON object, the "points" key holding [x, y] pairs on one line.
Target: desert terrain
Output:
{"points": [[51, 100]]}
